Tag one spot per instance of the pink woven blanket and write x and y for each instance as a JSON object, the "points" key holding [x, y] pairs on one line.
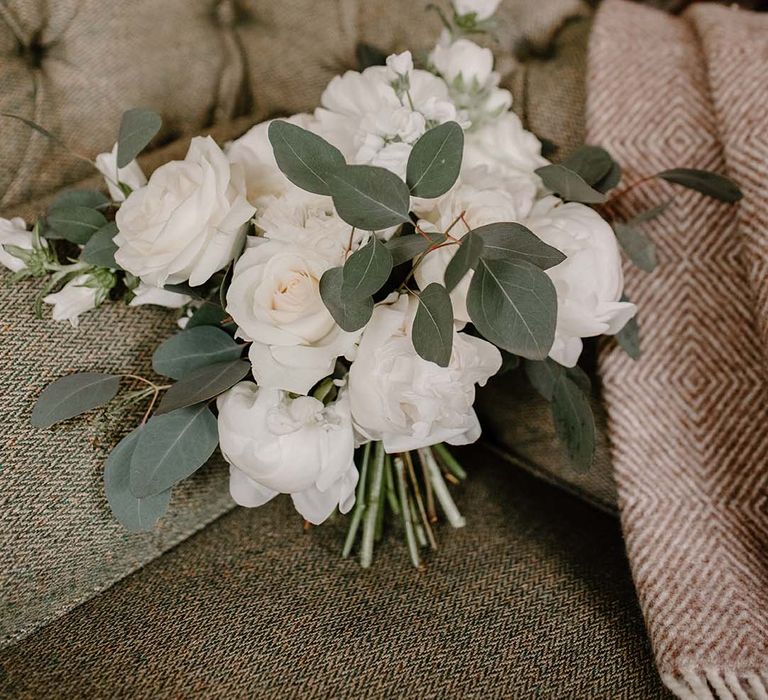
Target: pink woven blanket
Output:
{"points": [[689, 420]]}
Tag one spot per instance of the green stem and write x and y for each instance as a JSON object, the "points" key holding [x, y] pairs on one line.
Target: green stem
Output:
{"points": [[369, 524], [410, 538], [381, 510], [421, 538], [419, 502], [389, 485], [441, 489], [450, 462], [359, 503]]}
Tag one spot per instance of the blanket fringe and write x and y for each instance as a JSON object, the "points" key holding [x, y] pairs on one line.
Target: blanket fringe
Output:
{"points": [[716, 684]]}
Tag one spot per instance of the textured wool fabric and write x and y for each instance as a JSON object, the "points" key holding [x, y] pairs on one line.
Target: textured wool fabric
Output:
{"points": [[533, 599], [688, 421]]}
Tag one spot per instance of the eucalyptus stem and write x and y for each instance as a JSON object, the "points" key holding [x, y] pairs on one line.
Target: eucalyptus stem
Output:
{"points": [[421, 538], [359, 503], [450, 462], [369, 525], [389, 485], [441, 489], [381, 509], [419, 502], [410, 538]]}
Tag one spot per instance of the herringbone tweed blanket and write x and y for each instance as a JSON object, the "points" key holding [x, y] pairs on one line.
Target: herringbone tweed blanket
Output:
{"points": [[689, 420]]}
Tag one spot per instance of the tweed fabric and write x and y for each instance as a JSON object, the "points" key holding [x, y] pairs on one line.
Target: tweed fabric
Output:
{"points": [[533, 599], [687, 421]]}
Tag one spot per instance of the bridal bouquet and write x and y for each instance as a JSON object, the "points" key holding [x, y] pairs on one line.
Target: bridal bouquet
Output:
{"points": [[346, 279]]}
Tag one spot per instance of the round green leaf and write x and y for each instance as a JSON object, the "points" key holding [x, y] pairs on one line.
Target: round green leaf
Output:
{"points": [[202, 384], [405, 248], [514, 305], [628, 337], [636, 245], [72, 395], [435, 161], [569, 185], [208, 314], [509, 240], [591, 162], [100, 249], [708, 183], [80, 198], [193, 348], [75, 224], [432, 331], [170, 448], [468, 252], [366, 270], [544, 376], [137, 128], [574, 423], [369, 198], [303, 157], [350, 313], [134, 514]]}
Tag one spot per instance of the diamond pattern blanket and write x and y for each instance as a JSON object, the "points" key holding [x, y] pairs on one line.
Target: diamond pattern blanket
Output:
{"points": [[689, 420]]}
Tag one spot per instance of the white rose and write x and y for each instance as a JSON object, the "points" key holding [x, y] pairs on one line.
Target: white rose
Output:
{"points": [[76, 297], [131, 175], [187, 222], [400, 65], [276, 444], [407, 402], [589, 282], [253, 153], [482, 9], [147, 294], [13, 232], [504, 147], [463, 58], [484, 199], [275, 300]]}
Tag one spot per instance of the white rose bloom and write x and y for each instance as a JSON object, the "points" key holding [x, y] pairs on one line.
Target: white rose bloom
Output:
{"points": [[276, 444], [589, 282], [463, 58], [131, 175], [362, 115], [13, 232], [253, 153], [274, 298], [187, 222], [505, 148], [482, 9], [484, 199], [407, 402], [147, 294], [73, 299], [400, 65]]}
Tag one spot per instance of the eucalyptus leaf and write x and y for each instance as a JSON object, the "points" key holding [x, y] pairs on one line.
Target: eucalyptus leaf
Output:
{"points": [[544, 376], [509, 240], [628, 338], [208, 314], [184, 288], [579, 377], [610, 180], [304, 158], [75, 224], [170, 448], [574, 423], [368, 55], [366, 270], [101, 248], [134, 514], [193, 348], [137, 128], [704, 181], [350, 313], [72, 395], [468, 252], [369, 198], [202, 384], [432, 331], [92, 199], [435, 161], [591, 162], [569, 185], [637, 246], [513, 304], [649, 214], [405, 248]]}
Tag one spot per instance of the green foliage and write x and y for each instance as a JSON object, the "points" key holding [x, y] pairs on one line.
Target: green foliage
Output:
{"points": [[637, 246], [202, 384], [101, 248], [76, 224], [72, 395], [435, 161], [368, 55], [193, 348], [405, 248], [208, 314], [350, 313], [170, 448], [513, 304], [508, 240], [470, 248], [137, 128], [90, 199], [366, 270], [305, 158], [135, 514], [628, 337], [592, 163], [569, 185], [704, 181], [369, 198], [432, 331]]}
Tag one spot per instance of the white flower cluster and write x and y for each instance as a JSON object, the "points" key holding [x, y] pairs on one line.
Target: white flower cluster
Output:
{"points": [[190, 220]]}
